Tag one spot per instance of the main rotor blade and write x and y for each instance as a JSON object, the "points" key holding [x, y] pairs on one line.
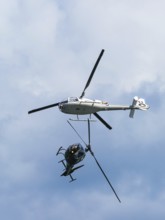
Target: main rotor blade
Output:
{"points": [[92, 73], [46, 107], [105, 175], [102, 120]]}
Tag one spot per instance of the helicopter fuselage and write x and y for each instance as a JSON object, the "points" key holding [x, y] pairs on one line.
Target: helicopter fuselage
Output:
{"points": [[83, 106], [74, 154]]}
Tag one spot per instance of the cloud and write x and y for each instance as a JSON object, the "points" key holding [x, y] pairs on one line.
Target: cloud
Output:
{"points": [[129, 32], [83, 205], [48, 49]]}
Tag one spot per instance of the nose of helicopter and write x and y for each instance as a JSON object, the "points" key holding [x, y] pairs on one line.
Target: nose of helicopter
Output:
{"points": [[75, 153], [61, 105]]}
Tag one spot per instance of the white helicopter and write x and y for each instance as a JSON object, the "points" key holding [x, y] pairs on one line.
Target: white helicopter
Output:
{"points": [[82, 106]]}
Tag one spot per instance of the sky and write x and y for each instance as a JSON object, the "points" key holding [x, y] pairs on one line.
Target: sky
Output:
{"points": [[47, 51]]}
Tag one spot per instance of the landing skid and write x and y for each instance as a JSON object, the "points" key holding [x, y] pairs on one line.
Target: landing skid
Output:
{"points": [[59, 151], [85, 120], [72, 179], [65, 171], [71, 169]]}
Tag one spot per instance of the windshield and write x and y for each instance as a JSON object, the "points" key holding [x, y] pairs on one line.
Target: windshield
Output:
{"points": [[72, 99]]}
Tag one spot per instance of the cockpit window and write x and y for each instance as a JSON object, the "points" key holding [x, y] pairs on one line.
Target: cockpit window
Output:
{"points": [[74, 149], [73, 99]]}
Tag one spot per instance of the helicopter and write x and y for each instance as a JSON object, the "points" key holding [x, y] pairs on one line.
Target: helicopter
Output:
{"points": [[84, 106], [76, 153]]}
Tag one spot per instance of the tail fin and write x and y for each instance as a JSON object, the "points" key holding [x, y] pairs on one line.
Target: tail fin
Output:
{"points": [[138, 103]]}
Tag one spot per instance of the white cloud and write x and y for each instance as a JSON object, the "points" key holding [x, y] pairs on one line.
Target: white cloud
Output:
{"points": [[48, 49], [82, 205], [133, 35]]}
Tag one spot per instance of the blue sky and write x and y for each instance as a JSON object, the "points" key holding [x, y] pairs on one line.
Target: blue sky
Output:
{"points": [[48, 49]]}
